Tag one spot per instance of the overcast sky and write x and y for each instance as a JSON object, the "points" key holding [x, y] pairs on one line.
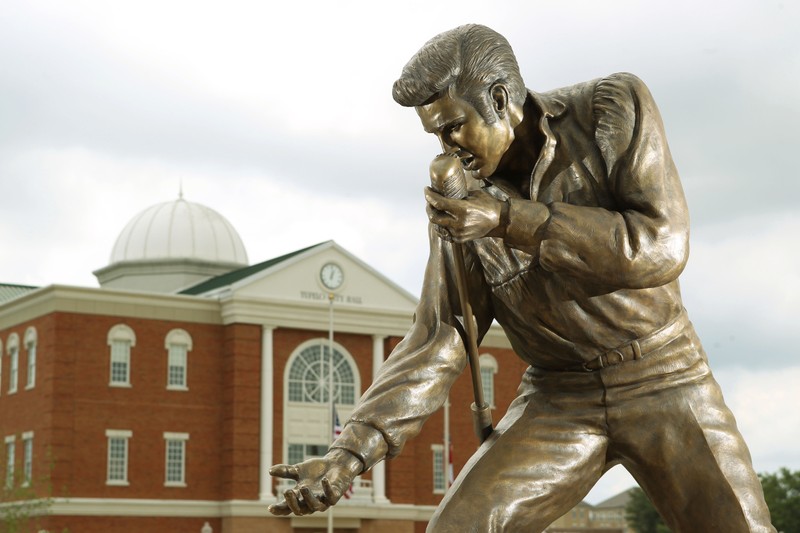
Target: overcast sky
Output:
{"points": [[281, 119]]}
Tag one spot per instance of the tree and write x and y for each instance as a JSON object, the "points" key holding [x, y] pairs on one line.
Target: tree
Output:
{"points": [[642, 515], [782, 492]]}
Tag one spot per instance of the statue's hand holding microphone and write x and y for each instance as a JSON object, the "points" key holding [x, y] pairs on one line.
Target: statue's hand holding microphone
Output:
{"points": [[461, 216]]}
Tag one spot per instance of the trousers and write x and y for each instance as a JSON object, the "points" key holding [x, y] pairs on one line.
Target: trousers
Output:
{"points": [[662, 417]]}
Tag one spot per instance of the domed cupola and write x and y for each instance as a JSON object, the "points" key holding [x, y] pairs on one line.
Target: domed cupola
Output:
{"points": [[171, 246]]}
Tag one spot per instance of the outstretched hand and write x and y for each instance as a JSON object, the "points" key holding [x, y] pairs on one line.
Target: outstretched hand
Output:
{"points": [[320, 482], [478, 215]]}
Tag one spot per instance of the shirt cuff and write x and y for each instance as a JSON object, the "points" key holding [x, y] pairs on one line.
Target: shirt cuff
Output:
{"points": [[526, 223], [363, 441]]}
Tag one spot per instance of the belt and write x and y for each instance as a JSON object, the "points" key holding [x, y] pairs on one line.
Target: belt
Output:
{"points": [[636, 349]]}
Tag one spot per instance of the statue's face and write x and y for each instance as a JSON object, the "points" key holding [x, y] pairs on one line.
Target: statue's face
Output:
{"points": [[463, 131]]}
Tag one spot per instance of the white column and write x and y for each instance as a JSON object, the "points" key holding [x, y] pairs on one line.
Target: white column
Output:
{"points": [[379, 470], [267, 403]]}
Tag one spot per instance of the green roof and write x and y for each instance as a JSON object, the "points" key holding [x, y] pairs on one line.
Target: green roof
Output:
{"points": [[229, 278], [9, 291]]}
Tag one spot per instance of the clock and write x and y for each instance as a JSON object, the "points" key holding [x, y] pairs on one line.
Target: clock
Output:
{"points": [[331, 276]]}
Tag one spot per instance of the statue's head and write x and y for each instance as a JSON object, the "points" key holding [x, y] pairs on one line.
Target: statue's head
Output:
{"points": [[466, 62]]}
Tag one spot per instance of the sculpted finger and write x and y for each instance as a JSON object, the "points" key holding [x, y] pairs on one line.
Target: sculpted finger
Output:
{"points": [[294, 503], [312, 501], [285, 471], [331, 493], [280, 509], [436, 200]]}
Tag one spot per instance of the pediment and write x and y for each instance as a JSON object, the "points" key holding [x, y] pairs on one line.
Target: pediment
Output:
{"points": [[297, 278]]}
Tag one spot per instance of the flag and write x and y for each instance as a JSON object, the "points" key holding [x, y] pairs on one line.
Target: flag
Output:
{"points": [[337, 430], [337, 427], [450, 470]]}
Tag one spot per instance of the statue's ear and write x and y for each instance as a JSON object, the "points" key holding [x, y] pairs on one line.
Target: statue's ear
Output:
{"points": [[499, 94]]}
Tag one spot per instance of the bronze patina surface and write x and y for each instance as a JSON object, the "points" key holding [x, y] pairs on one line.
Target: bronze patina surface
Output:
{"points": [[573, 241]]}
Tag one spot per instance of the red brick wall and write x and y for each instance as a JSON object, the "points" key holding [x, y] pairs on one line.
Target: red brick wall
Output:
{"points": [[72, 406], [79, 406], [241, 402], [31, 409]]}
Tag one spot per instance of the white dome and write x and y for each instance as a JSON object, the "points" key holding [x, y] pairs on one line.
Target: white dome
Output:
{"points": [[179, 230]]}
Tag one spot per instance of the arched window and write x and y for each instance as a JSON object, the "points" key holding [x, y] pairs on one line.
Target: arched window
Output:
{"points": [[488, 370], [308, 424], [121, 339], [309, 376], [178, 344], [12, 347], [30, 347]]}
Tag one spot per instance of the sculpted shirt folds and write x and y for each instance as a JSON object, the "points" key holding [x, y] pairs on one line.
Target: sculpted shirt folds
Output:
{"points": [[600, 273]]}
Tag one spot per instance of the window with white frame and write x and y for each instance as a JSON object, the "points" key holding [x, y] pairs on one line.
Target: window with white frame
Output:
{"points": [[309, 376], [178, 344], [121, 339], [488, 370], [10, 460], [30, 347], [297, 453], [13, 358], [27, 458], [117, 463], [438, 469], [307, 416], [175, 464]]}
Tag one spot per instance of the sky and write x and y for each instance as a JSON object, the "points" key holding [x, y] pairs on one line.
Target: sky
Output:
{"points": [[280, 117]]}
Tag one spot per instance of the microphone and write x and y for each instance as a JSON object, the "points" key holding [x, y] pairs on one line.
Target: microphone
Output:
{"points": [[448, 177]]}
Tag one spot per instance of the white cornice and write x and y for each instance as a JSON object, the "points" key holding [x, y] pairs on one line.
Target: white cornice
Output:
{"points": [[111, 302], [314, 315], [230, 309]]}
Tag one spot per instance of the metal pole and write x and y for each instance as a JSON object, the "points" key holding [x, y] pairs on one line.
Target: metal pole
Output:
{"points": [[330, 390], [446, 455]]}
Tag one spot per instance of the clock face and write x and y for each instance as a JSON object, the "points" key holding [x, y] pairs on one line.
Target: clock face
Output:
{"points": [[331, 276]]}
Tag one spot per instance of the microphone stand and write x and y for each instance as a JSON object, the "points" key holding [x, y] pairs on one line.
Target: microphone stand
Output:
{"points": [[448, 179]]}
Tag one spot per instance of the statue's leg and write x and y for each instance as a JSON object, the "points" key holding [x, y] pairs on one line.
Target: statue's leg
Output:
{"points": [[543, 458], [682, 445]]}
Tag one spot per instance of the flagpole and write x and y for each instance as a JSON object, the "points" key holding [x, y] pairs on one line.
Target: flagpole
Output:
{"points": [[330, 390], [446, 454]]}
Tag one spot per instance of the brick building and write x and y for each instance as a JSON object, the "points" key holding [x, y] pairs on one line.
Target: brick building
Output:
{"points": [[157, 401]]}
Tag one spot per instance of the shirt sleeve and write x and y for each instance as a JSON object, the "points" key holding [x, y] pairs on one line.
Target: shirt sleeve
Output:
{"points": [[644, 241], [415, 379]]}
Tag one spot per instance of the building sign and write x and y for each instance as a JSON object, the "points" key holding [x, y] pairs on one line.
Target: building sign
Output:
{"points": [[337, 298]]}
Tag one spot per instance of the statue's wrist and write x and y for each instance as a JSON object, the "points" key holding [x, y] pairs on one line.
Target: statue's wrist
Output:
{"points": [[346, 459], [504, 214]]}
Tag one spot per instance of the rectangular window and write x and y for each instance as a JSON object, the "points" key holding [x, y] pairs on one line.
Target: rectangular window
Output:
{"points": [[298, 453], [13, 370], [176, 367], [10, 461], [117, 468], [120, 362], [31, 366], [175, 445], [27, 458], [438, 469]]}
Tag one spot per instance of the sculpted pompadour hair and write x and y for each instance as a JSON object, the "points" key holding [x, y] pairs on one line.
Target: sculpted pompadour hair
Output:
{"points": [[468, 60]]}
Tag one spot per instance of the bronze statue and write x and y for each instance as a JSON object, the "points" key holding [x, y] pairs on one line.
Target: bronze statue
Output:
{"points": [[574, 238]]}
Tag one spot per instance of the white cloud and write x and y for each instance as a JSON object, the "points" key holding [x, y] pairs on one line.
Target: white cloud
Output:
{"points": [[742, 285]]}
